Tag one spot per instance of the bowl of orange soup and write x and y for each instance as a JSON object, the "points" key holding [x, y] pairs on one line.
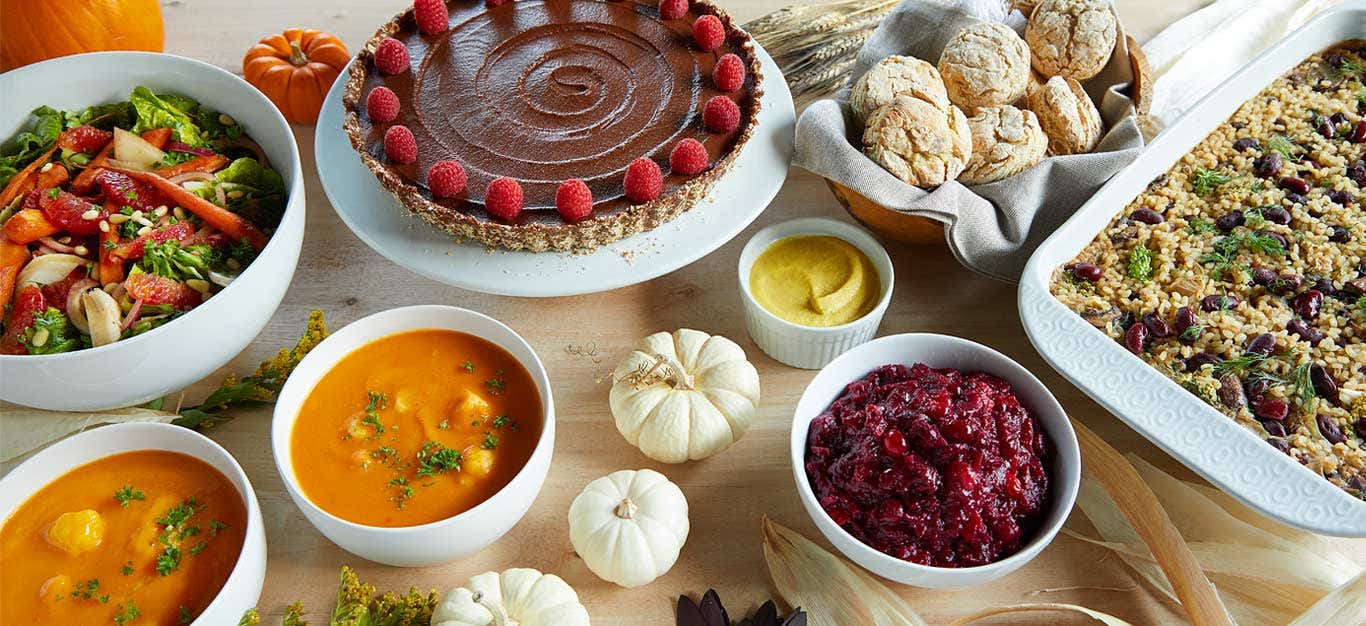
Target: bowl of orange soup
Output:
{"points": [[416, 436], [130, 524]]}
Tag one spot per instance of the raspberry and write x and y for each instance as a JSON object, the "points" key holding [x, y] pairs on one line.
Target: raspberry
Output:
{"points": [[400, 145], [688, 157], [644, 182], [673, 9], [573, 200], [721, 114], [446, 179], [431, 15], [391, 56], [708, 33], [729, 73], [503, 200], [381, 105]]}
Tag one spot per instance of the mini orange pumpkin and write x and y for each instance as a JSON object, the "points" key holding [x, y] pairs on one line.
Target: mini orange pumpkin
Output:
{"points": [[32, 31], [295, 69]]}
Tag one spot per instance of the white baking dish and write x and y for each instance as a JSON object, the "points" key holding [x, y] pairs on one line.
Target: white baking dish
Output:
{"points": [[1203, 439]]}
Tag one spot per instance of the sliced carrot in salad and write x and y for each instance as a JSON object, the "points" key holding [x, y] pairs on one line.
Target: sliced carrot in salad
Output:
{"points": [[232, 224], [203, 164], [13, 256], [158, 137], [110, 266], [24, 181], [28, 226]]}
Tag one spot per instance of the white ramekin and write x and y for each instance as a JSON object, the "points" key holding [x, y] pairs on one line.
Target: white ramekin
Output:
{"points": [[444, 540], [242, 589], [811, 347], [938, 351]]}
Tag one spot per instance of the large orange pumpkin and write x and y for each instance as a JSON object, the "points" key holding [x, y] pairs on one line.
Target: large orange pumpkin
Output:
{"points": [[35, 30], [295, 69]]}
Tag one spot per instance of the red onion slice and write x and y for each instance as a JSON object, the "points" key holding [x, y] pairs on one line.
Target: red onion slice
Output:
{"points": [[176, 146], [132, 315], [192, 176], [52, 244]]}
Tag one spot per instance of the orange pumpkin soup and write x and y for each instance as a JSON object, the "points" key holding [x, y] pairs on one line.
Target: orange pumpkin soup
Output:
{"points": [[414, 428], [143, 538]]}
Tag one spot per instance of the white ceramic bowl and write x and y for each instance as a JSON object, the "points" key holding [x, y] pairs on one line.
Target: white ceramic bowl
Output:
{"points": [[811, 347], [243, 587], [938, 351], [186, 350], [441, 541]]}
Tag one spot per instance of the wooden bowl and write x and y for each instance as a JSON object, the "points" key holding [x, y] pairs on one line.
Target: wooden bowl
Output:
{"points": [[899, 227]]}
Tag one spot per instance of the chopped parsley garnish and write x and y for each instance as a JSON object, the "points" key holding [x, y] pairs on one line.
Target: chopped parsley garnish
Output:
{"points": [[375, 401], [435, 458], [468, 367], [127, 569], [1193, 332], [383, 453], [1253, 219], [501, 421], [445, 423], [495, 385], [1198, 226], [168, 561], [198, 547], [127, 494], [1361, 306], [89, 590], [127, 613], [404, 494], [186, 616], [215, 526], [1206, 181], [1226, 249], [490, 442], [53, 193], [1141, 263]]}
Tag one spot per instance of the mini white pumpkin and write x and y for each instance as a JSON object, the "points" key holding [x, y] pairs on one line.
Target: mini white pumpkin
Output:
{"points": [[629, 526], [686, 395], [516, 597]]}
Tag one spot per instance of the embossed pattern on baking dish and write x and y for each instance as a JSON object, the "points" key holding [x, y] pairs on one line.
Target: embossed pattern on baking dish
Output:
{"points": [[1196, 434]]}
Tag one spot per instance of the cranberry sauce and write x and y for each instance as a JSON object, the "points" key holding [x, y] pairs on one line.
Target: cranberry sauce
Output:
{"points": [[934, 466]]}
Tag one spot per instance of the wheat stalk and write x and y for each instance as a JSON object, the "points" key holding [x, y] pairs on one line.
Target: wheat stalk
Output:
{"points": [[816, 55]]}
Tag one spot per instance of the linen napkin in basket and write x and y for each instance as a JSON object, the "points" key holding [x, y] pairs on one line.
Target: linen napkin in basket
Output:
{"points": [[991, 228]]}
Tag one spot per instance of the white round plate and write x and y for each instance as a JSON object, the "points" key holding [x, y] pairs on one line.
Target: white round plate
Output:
{"points": [[387, 226]]}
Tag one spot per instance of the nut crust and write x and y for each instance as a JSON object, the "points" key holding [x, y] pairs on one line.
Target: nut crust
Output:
{"points": [[897, 76], [583, 236], [1005, 142], [1072, 38], [985, 64], [1067, 115], [917, 142]]}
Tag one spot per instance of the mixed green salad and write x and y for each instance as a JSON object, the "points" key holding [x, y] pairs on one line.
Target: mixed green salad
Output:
{"points": [[120, 217]]}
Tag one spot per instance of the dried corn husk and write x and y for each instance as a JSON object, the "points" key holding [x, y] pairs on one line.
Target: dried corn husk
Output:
{"points": [[1265, 572], [1346, 605], [1104, 618], [1130, 499], [831, 590]]}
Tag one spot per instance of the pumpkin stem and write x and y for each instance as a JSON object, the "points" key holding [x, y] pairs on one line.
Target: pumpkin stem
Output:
{"points": [[296, 54], [500, 616], [672, 372], [626, 509]]}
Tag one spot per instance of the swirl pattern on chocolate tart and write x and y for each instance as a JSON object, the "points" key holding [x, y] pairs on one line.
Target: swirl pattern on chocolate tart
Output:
{"points": [[542, 91]]}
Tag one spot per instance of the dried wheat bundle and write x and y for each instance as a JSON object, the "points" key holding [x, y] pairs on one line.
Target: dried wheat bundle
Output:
{"points": [[815, 44]]}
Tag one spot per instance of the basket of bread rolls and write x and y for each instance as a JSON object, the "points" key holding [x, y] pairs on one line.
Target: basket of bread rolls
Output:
{"points": [[994, 103]]}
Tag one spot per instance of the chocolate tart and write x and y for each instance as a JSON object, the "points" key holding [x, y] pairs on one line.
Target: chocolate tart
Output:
{"points": [[543, 91]]}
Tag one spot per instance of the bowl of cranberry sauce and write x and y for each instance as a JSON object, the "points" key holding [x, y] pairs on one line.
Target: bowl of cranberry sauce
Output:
{"points": [[934, 461]]}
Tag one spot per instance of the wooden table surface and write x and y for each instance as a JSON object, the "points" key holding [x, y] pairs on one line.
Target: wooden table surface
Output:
{"points": [[728, 493]]}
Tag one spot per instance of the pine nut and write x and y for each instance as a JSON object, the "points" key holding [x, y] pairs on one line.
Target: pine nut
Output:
{"points": [[235, 194], [179, 213], [90, 214], [46, 168], [226, 120], [104, 226], [40, 337], [142, 220], [81, 250], [118, 218], [144, 230], [160, 211], [233, 264], [202, 286], [136, 214]]}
